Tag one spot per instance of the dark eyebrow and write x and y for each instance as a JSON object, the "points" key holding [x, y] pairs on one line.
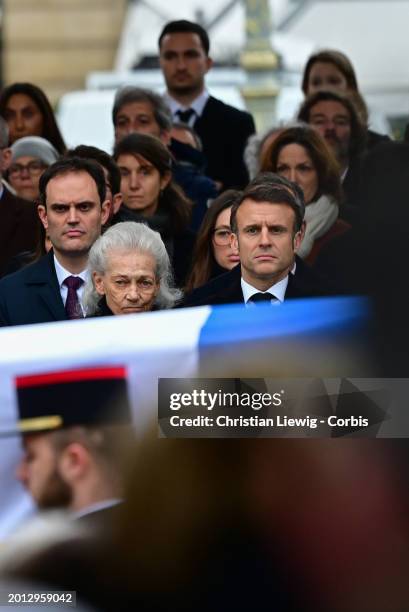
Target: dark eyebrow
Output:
{"points": [[88, 202], [249, 225]]}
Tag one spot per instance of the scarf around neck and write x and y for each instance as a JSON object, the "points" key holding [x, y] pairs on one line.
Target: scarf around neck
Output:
{"points": [[319, 217]]}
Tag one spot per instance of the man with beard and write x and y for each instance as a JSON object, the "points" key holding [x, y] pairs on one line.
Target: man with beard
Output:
{"points": [[224, 130], [75, 427], [337, 120]]}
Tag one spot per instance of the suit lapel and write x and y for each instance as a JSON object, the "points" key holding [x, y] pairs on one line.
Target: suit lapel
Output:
{"points": [[231, 293], [43, 282]]}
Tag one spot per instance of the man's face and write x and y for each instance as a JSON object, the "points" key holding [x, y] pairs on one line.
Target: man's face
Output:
{"points": [[73, 215], [184, 63], [266, 241], [136, 117], [39, 473], [333, 121]]}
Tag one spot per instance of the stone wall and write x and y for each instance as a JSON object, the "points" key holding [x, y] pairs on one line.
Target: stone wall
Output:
{"points": [[55, 43]]}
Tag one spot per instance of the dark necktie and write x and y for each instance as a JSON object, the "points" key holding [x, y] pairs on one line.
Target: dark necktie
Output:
{"points": [[72, 305], [185, 115], [257, 298]]}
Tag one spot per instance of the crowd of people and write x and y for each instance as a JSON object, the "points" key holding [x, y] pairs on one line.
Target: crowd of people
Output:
{"points": [[190, 208], [183, 164]]}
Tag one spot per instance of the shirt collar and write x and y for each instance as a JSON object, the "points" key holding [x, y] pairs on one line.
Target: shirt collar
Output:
{"points": [[102, 505], [197, 105], [278, 289], [62, 273]]}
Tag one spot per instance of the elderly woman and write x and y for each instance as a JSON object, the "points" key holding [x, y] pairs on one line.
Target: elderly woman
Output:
{"points": [[30, 156], [129, 272]]}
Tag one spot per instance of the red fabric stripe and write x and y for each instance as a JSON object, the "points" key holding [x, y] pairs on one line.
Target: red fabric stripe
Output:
{"points": [[54, 378]]}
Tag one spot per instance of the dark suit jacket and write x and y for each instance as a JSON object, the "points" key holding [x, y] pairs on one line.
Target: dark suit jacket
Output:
{"points": [[226, 289], [19, 227], [32, 295], [224, 131]]}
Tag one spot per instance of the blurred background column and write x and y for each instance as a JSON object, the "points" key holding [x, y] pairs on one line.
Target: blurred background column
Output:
{"points": [[55, 43], [261, 63]]}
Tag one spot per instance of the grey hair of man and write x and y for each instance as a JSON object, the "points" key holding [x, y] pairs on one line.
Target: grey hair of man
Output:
{"points": [[254, 147], [131, 236], [130, 94], [4, 133]]}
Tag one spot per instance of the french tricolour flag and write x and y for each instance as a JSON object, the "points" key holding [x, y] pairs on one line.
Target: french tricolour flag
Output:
{"points": [[311, 338]]}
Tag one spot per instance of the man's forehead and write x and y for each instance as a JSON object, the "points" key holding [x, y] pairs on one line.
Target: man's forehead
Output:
{"points": [[137, 107], [181, 41], [250, 210], [30, 440], [72, 186], [330, 107]]}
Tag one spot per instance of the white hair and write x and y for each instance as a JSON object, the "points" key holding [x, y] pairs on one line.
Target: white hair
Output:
{"points": [[130, 236]]}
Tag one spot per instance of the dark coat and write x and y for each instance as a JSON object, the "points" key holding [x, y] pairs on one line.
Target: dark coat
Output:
{"points": [[226, 289], [224, 131], [19, 227], [32, 295]]}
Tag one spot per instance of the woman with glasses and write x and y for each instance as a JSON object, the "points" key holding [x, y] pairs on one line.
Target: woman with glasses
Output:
{"points": [[30, 156], [213, 253]]}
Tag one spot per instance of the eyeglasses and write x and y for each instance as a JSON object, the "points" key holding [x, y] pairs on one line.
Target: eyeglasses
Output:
{"points": [[34, 168], [221, 236]]}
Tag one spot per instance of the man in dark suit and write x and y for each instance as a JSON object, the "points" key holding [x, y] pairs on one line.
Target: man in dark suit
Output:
{"points": [[19, 225], [223, 129], [76, 428], [267, 229], [73, 209]]}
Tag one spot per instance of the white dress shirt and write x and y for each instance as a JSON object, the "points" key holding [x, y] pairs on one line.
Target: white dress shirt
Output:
{"points": [[62, 274], [197, 105], [277, 290]]}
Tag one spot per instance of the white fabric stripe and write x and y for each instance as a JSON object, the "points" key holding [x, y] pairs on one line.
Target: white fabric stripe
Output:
{"points": [[152, 345]]}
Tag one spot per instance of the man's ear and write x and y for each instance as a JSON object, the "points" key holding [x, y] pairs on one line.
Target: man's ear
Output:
{"points": [[209, 63], [298, 238], [165, 137], [42, 213], [6, 159], [234, 243], [117, 200], [74, 462], [105, 210]]}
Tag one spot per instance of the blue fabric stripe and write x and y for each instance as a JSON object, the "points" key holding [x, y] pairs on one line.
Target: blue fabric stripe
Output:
{"points": [[323, 316]]}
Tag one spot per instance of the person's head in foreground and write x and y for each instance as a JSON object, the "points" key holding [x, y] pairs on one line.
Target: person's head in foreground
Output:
{"points": [[73, 425]]}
